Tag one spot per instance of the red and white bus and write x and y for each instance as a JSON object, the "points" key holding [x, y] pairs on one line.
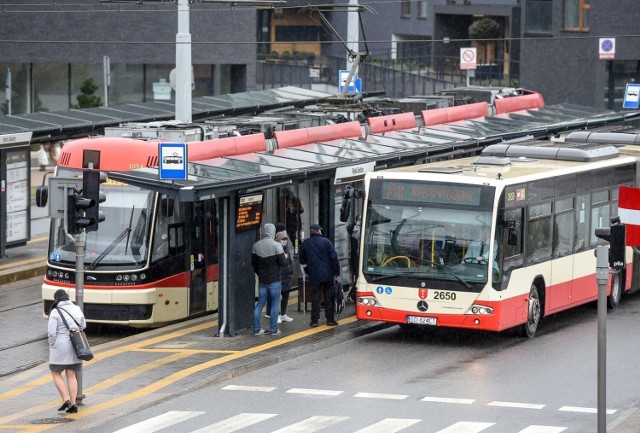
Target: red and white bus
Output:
{"points": [[491, 242]]}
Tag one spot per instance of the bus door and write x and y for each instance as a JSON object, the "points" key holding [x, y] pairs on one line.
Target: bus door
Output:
{"points": [[197, 258]]}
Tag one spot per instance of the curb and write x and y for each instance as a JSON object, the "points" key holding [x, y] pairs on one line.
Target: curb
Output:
{"points": [[23, 274]]}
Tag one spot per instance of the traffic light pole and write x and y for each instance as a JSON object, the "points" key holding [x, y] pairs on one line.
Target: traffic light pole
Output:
{"points": [[81, 241], [602, 276]]}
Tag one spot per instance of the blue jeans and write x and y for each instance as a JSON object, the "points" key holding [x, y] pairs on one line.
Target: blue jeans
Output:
{"points": [[271, 291]]}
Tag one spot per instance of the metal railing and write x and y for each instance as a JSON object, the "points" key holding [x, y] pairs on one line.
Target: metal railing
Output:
{"points": [[398, 78]]}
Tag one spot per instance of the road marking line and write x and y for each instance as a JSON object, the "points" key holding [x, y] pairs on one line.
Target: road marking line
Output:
{"points": [[389, 425], [159, 422], [584, 409], [312, 424], [249, 388], [24, 262], [311, 391], [543, 429], [165, 381], [517, 405], [157, 385], [448, 400], [382, 396], [467, 427], [236, 423]]}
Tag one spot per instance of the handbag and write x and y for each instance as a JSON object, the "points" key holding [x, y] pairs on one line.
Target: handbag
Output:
{"points": [[78, 338]]}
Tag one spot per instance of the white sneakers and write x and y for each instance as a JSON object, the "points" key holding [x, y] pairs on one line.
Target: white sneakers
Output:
{"points": [[283, 318], [279, 318]]}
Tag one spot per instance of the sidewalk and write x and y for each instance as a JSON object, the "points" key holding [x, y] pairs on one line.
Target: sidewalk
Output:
{"points": [[155, 365]]}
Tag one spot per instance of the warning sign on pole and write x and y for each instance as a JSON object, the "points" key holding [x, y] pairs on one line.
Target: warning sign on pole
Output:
{"points": [[468, 58]]}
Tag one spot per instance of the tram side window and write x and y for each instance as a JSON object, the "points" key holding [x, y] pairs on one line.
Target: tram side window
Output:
{"points": [[166, 237], [563, 228], [582, 222], [600, 212], [539, 233]]}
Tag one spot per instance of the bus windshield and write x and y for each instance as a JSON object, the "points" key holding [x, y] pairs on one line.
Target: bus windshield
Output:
{"points": [[122, 239], [436, 240]]}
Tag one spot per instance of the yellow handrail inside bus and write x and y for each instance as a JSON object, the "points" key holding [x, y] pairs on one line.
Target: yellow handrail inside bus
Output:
{"points": [[386, 261]]}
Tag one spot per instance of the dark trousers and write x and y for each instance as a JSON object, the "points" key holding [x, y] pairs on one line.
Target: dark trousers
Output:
{"points": [[329, 300]]}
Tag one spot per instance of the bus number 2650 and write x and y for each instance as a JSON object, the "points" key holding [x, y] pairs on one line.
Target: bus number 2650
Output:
{"points": [[444, 296]]}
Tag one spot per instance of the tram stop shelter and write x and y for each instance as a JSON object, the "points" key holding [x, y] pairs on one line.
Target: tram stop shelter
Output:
{"points": [[228, 179], [15, 184]]}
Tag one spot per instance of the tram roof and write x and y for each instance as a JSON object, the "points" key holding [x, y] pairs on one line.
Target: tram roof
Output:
{"points": [[261, 170], [47, 126]]}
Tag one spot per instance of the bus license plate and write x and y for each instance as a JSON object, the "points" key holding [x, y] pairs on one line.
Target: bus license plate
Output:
{"points": [[421, 320]]}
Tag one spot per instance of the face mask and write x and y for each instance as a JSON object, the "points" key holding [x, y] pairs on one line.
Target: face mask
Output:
{"points": [[283, 243]]}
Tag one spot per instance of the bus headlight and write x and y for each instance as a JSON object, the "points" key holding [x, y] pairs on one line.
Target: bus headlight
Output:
{"points": [[369, 301], [479, 310]]}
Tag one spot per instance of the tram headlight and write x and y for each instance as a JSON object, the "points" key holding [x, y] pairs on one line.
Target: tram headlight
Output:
{"points": [[134, 277], [66, 275], [125, 278], [481, 310], [118, 277]]}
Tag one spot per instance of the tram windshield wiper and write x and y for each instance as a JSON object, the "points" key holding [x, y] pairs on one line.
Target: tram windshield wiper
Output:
{"points": [[109, 248]]}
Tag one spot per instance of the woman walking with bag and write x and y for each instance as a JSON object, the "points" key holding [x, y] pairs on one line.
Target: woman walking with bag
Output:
{"points": [[62, 356]]}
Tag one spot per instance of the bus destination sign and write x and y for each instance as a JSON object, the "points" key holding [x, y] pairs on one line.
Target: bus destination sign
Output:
{"points": [[249, 212], [428, 192]]}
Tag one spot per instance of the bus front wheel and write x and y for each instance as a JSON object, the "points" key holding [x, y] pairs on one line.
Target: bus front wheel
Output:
{"points": [[534, 314]]}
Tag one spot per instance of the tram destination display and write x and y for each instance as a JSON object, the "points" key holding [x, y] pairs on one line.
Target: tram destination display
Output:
{"points": [[249, 212]]}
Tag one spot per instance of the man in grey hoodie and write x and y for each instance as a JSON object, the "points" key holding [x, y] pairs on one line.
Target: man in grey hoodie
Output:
{"points": [[267, 258]]}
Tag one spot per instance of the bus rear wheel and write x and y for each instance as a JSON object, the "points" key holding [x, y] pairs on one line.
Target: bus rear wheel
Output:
{"points": [[534, 314], [616, 290]]}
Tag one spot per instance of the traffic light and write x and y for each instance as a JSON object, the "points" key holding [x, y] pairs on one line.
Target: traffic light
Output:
{"points": [[616, 236], [91, 181], [83, 208]]}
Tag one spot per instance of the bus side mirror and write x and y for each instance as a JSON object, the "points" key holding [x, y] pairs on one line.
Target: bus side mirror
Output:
{"points": [[513, 228], [166, 207]]}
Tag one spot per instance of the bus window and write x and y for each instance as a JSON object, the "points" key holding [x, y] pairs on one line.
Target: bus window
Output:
{"points": [[539, 233], [600, 212], [582, 223], [563, 228], [511, 254]]}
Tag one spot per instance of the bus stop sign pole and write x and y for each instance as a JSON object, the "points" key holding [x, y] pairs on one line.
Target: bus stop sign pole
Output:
{"points": [[602, 276]]}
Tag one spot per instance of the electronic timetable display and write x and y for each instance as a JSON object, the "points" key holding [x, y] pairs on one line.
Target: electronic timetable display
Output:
{"points": [[249, 211]]}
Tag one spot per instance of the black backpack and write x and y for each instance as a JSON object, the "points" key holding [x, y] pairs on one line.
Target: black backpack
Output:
{"points": [[338, 296]]}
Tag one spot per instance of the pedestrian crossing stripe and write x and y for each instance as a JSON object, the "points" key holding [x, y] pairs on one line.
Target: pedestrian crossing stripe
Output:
{"points": [[389, 425], [159, 422], [236, 423], [309, 425], [467, 427]]}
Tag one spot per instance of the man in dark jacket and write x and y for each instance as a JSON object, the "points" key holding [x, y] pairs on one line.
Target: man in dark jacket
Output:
{"points": [[323, 268], [267, 258]]}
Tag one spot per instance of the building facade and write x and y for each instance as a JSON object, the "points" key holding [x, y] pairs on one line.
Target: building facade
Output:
{"points": [[551, 46], [52, 49]]}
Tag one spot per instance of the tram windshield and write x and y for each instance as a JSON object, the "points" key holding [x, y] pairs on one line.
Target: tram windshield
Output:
{"points": [[430, 239], [122, 239]]}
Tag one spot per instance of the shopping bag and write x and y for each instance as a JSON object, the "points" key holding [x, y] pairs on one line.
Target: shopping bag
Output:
{"points": [[43, 159]]}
